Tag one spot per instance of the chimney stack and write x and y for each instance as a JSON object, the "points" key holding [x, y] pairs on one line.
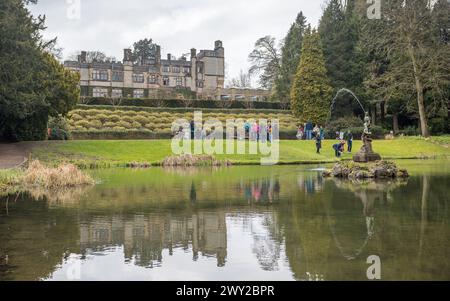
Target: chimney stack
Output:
{"points": [[193, 53], [218, 44], [83, 57], [169, 56], [127, 55], [158, 54]]}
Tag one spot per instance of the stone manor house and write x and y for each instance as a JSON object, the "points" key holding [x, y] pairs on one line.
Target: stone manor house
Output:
{"points": [[203, 74]]}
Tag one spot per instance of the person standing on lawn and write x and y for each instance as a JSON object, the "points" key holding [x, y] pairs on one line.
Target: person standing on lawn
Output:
{"points": [[318, 142], [349, 141], [309, 130]]}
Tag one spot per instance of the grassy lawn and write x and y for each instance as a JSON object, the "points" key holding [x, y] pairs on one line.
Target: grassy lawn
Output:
{"points": [[102, 153]]}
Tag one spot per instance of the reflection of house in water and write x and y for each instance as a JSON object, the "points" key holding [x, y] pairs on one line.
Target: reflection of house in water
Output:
{"points": [[145, 236]]}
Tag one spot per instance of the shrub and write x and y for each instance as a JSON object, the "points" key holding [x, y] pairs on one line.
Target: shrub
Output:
{"points": [[135, 125], [150, 126], [377, 132], [75, 117], [340, 124], [102, 117], [124, 124], [410, 131], [128, 119], [141, 119], [58, 128], [114, 118], [83, 123], [176, 103], [96, 124], [109, 124]]}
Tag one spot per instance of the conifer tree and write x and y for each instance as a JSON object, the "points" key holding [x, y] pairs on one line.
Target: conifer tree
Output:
{"points": [[33, 84], [291, 52], [311, 93]]}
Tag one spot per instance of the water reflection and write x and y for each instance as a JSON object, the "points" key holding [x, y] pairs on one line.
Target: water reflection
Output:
{"points": [[252, 223]]}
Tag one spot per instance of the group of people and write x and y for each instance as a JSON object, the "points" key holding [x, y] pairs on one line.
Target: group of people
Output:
{"points": [[253, 131], [309, 131], [339, 148]]}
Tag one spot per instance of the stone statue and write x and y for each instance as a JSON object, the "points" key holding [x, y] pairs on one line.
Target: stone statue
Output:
{"points": [[367, 124], [366, 154]]}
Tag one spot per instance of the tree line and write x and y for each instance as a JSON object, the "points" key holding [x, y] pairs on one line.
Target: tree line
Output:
{"points": [[397, 64]]}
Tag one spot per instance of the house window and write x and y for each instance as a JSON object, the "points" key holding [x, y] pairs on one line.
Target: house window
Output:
{"points": [[254, 98], [138, 78], [100, 75], [187, 70], [117, 76], [116, 93], [152, 79], [199, 84], [138, 93], [225, 97], [166, 81], [239, 97], [176, 69], [166, 68], [179, 81], [100, 92]]}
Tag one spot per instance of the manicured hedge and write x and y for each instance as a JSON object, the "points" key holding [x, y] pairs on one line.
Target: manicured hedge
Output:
{"points": [[142, 135], [119, 135], [181, 110], [99, 123], [176, 103]]}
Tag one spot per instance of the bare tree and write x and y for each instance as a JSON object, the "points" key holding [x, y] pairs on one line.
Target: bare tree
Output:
{"points": [[265, 60], [93, 57], [243, 80], [418, 54], [115, 101]]}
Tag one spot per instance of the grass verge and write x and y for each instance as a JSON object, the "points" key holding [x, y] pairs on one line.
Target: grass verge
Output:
{"points": [[115, 153]]}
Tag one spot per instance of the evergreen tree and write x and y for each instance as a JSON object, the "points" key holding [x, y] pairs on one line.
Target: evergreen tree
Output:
{"points": [[311, 93], [291, 52], [33, 84], [338, 30]]}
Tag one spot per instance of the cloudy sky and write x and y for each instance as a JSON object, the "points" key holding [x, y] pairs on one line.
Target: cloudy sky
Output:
{"points": [[176, 25]]}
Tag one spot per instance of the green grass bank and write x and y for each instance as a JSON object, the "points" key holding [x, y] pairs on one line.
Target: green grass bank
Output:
{"points": [[115, 153]]}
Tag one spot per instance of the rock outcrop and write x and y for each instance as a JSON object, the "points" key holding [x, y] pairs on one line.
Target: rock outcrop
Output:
{"points": [[376, 170]]}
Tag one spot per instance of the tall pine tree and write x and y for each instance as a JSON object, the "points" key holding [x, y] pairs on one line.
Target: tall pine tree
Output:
{"points": [[311, 93], [338, 29], [291, 52]]}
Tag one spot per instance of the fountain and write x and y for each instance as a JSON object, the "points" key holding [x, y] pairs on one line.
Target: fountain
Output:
{"points": [[366, 154], [353, 171]]}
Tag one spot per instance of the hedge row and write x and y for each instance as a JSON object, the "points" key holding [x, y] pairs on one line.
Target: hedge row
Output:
{"points": [[181, 110], [156, 122], [177, 103], [144, 135], [119, 135]]}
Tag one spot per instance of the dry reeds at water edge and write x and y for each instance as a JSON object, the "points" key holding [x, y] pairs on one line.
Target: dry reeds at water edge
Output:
{"points": [[65, 175], [188, 160]]}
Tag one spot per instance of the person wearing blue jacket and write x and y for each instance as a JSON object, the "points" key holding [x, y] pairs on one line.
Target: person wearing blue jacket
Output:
{"points": [[309, 129]]}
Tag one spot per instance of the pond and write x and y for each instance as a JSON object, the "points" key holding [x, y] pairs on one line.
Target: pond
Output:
{"points": [[236, 223]]}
